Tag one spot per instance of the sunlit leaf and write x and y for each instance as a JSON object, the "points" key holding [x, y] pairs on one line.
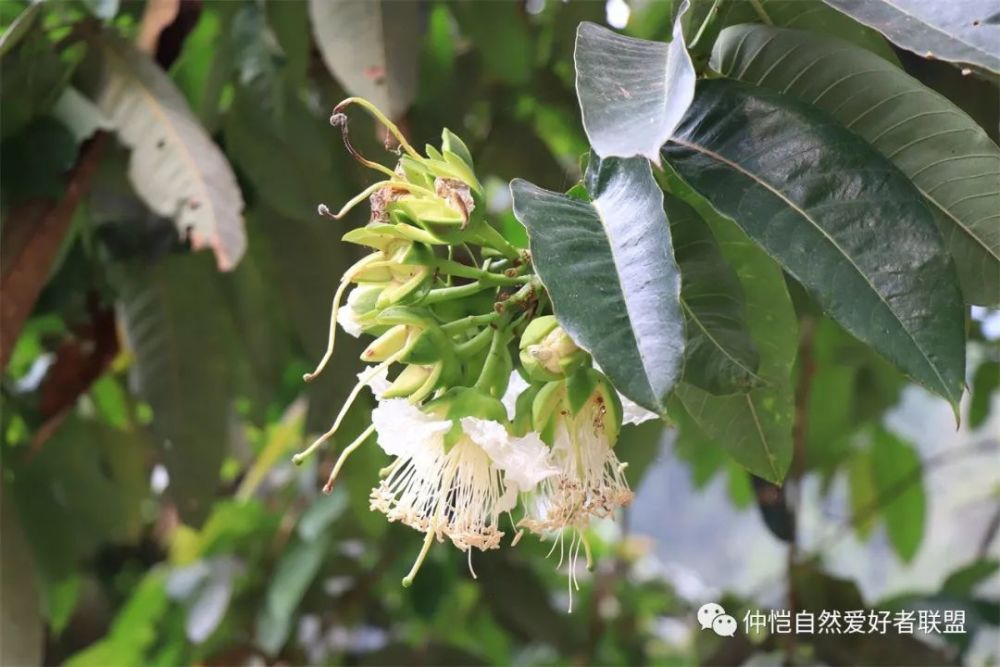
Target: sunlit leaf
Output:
{"points": [[964, 32], [633, 93], [609, 267], [175, 167]]}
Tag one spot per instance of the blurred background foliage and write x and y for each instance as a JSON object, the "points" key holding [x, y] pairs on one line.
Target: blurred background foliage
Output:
{"points": [[151, 402]]}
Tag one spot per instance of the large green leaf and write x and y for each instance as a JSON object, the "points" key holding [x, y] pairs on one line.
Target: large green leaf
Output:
{"points": [[180, 332], [947, 155], [372, 47], [175, 167], [837, 215], [810, 15], [82, 489], [719, 355], [964, 32], [754, 428], [633, 93], [608, 265], [897, 473]]}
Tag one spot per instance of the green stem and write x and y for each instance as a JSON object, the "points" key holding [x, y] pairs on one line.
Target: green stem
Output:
{"points": [[474, 345], [471, 321], [712, 11], [448, 293], [493, 359], [475, 273], [759, 8], [494, 239]]}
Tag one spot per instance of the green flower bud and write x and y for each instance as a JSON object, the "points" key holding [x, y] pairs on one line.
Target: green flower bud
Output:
{"points": [[586, 394], [461, 402], [547, 351]]}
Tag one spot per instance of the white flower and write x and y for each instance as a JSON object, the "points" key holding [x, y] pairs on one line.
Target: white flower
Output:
{"points": [[524, 460], [515, 386], [378, 383], [458, 492], [591, 481]]}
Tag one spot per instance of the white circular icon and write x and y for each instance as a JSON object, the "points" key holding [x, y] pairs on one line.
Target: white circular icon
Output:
{"points": [[707, 614], [724, 625]]}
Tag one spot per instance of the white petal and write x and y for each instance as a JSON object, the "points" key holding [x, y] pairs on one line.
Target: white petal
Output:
{"points": [[525, 461], [378, 384], [403, 429], [514, 388], [633, 413], [348, 319]]}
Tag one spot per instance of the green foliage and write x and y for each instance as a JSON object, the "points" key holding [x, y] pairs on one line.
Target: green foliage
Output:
{"points": [[806, 156]]}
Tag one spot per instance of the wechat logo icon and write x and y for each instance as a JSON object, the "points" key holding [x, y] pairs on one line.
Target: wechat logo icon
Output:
{"points": [[713, 616]]}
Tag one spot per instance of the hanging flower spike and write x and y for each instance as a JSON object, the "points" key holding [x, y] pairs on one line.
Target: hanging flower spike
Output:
{"points": [[457, 469]]}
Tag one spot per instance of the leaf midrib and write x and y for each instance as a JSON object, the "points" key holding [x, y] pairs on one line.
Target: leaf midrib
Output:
{"points": [[738, 167], [715, 342]]}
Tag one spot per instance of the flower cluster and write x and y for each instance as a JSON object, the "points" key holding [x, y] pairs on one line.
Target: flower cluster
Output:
{"points": [[495, 419]]}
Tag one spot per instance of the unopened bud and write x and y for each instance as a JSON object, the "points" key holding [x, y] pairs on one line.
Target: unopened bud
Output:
{"points": [[547, 351]]}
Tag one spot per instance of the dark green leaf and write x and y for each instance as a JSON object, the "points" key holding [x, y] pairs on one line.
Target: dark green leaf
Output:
{"points": [[35, 161], [83, 488], [177, 325], [810, 15], [898, 476], [719, 355], [633, 93], [609, 267], [372, 48], [947, 155], [965, 33], [839, 217], [755, 428], [32, 76]]}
